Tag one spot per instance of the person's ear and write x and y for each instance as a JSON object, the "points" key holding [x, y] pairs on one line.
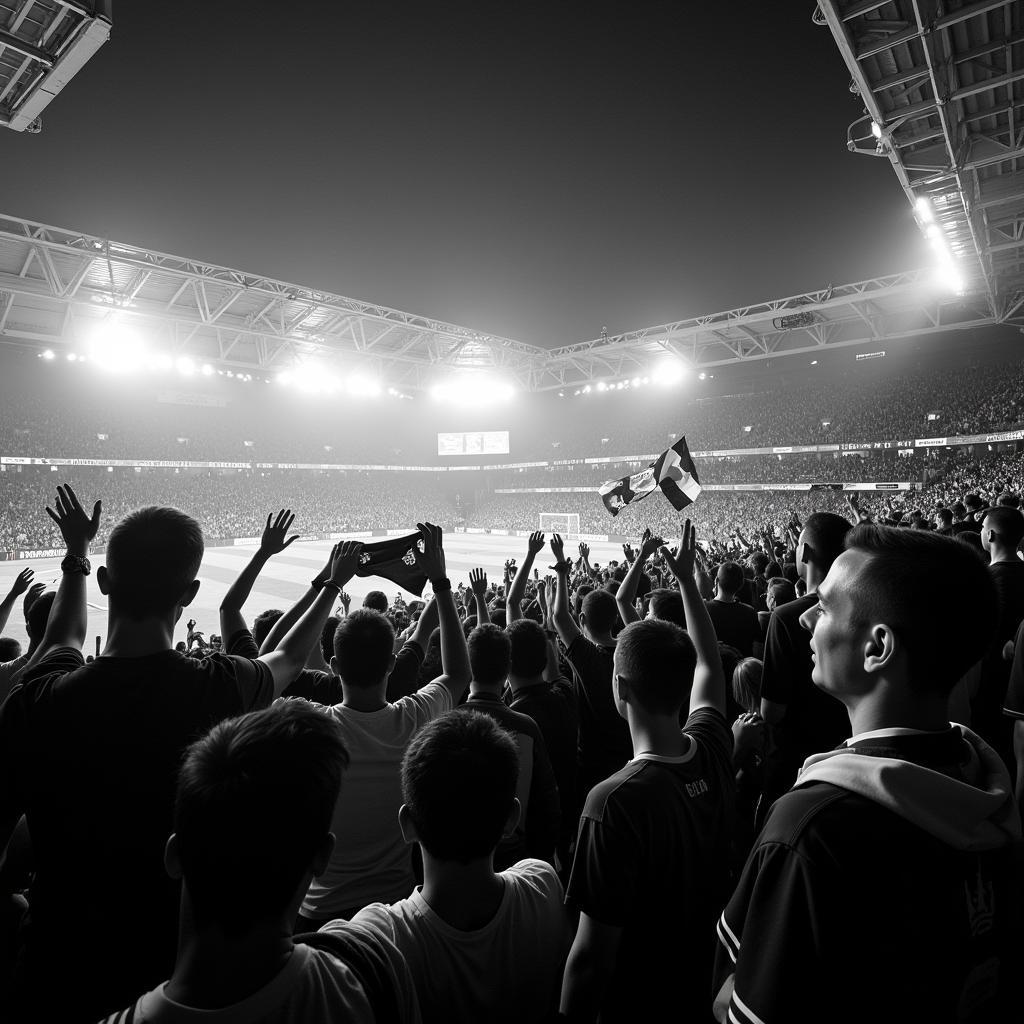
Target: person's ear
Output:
{"points": [[103, 580], [391, 663], [190, 594], [880, 649], [407, 825], [172, 857], [334, 666], [322, 856], [513, 818]]}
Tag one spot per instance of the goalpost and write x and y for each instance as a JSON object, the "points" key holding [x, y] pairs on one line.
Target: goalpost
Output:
{"points": [[565, 523]]}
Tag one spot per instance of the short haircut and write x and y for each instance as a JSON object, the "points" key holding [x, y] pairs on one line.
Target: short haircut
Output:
{"points": [[790, 572], [327, 637], [10, 649], [377, 600], [657, 659], [1008, 499], [746, 684], [600, 611], [363, 645], [153, 555], [973, 501], [945, 515], [39, 614], [489, 652], [782, 590], [758, 562], [771, 570], [826, 535], [667, 605], [459, 778], [959, 509], [730, 577], [528, 654], [499, 616], [1007, 522], [254, 802], [934, 593], [581, 593], [264, 623]]}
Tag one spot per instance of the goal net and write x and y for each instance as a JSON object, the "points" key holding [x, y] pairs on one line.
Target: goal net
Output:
{"points": [[565, 523]]}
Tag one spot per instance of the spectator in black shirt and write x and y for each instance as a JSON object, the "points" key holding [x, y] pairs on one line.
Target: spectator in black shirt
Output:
{"points": [[735, 623]]}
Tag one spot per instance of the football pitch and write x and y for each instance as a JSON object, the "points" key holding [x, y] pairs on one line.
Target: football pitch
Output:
{"points": [[286, 576]]}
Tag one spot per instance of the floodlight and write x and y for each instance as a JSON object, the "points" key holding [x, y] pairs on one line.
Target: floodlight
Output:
{"points": [[161, 362], [636, 382], [601, 386], [876, 129], [620, 385], [367, 387], [47, 354], [923, 206], [284, 378], [747, 430], [947, 276], [186, 367], [116, 346], [669, 371], [702, 376], [206, 370], [586, 390]]}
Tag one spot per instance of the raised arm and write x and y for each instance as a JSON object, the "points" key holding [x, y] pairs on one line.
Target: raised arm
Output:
{"points": [[478, 583], [565, 625], [69, 616], [514, 600], [18, 587], [625, 596], [273, 541], [287, 660], [708, 678], [297, 610], [454, 655], [585, 559], [544, 587]]}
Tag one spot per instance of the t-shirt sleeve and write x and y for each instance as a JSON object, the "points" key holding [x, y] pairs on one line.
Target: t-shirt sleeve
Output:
{"points": [[251, 680], [426, 704], [766, 938], [57, 662], [709, 728], [777, 676], [243, 644], [605, 872], [1014, 702], [406, 672], [375, 918]]}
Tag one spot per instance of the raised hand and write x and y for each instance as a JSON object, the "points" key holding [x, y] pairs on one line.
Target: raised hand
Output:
{"points": [[345, 599], [584, 550], [273, 539], [190, 625], [344, 562], [682, 561], [77, 528], [649, 544], [478, 581], [22, 581], [33, 595], [558, 547], [535, 544], [627, 550], [431, 558]]}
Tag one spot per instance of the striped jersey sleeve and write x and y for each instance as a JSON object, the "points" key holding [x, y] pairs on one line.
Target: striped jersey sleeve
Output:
{"points": [[126, 1016], [768, 941]]}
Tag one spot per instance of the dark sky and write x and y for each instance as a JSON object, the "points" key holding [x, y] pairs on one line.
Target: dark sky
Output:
{"points": [[533, 170]]}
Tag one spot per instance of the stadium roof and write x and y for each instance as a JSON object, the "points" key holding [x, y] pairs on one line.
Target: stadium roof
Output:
{"points": [[43, 45], [943, 84], [57, 286]]}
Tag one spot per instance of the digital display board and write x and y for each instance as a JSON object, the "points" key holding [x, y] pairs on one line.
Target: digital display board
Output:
{"points": [[486, 442]]}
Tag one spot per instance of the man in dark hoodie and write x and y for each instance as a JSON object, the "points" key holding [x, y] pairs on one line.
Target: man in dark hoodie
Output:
{"points": [[882, 886]]}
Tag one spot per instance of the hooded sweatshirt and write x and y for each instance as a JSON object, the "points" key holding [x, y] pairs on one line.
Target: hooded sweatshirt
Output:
{"points": [[881, 888]]}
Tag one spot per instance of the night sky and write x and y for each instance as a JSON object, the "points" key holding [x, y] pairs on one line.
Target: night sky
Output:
{"points": [[538, 171]]}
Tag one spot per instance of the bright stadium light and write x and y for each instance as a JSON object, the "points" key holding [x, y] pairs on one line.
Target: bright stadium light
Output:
{"points": [[186, 367], [47, 354], [601, 386], [923, 207], [669, 371], [876, 129], [116, 347], [161, 362], [469, 389], [362, 386], [206, 370]]}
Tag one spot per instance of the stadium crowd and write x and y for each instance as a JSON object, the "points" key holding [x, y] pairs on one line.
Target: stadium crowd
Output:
{"points": [[241, 423], [715, 779]]}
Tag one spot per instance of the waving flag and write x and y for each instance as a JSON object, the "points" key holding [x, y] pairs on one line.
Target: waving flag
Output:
{"points": [[673, 472]]}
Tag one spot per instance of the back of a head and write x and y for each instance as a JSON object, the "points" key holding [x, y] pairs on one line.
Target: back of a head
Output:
{"points": [[10, 649], [790, 572], [377, 600], [933, 592], [825, 534], [771, 570], [945, 517], [758, 562], [781, 591], [657, 659], [1008, 523], [580, 596], [39, 615], [959, 510], [364, 643], [599, 611], [1008, 499], [746, 684], [153, 555], [459, 778], [667, 605], [489, 652], [254, 804], [528, 654], [327, 637], [730, 578], [264, 623]]}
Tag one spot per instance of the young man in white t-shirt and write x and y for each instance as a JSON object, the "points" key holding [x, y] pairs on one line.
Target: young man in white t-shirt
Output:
{"points": [[481, 945], [251, 828], [373, 863]]}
